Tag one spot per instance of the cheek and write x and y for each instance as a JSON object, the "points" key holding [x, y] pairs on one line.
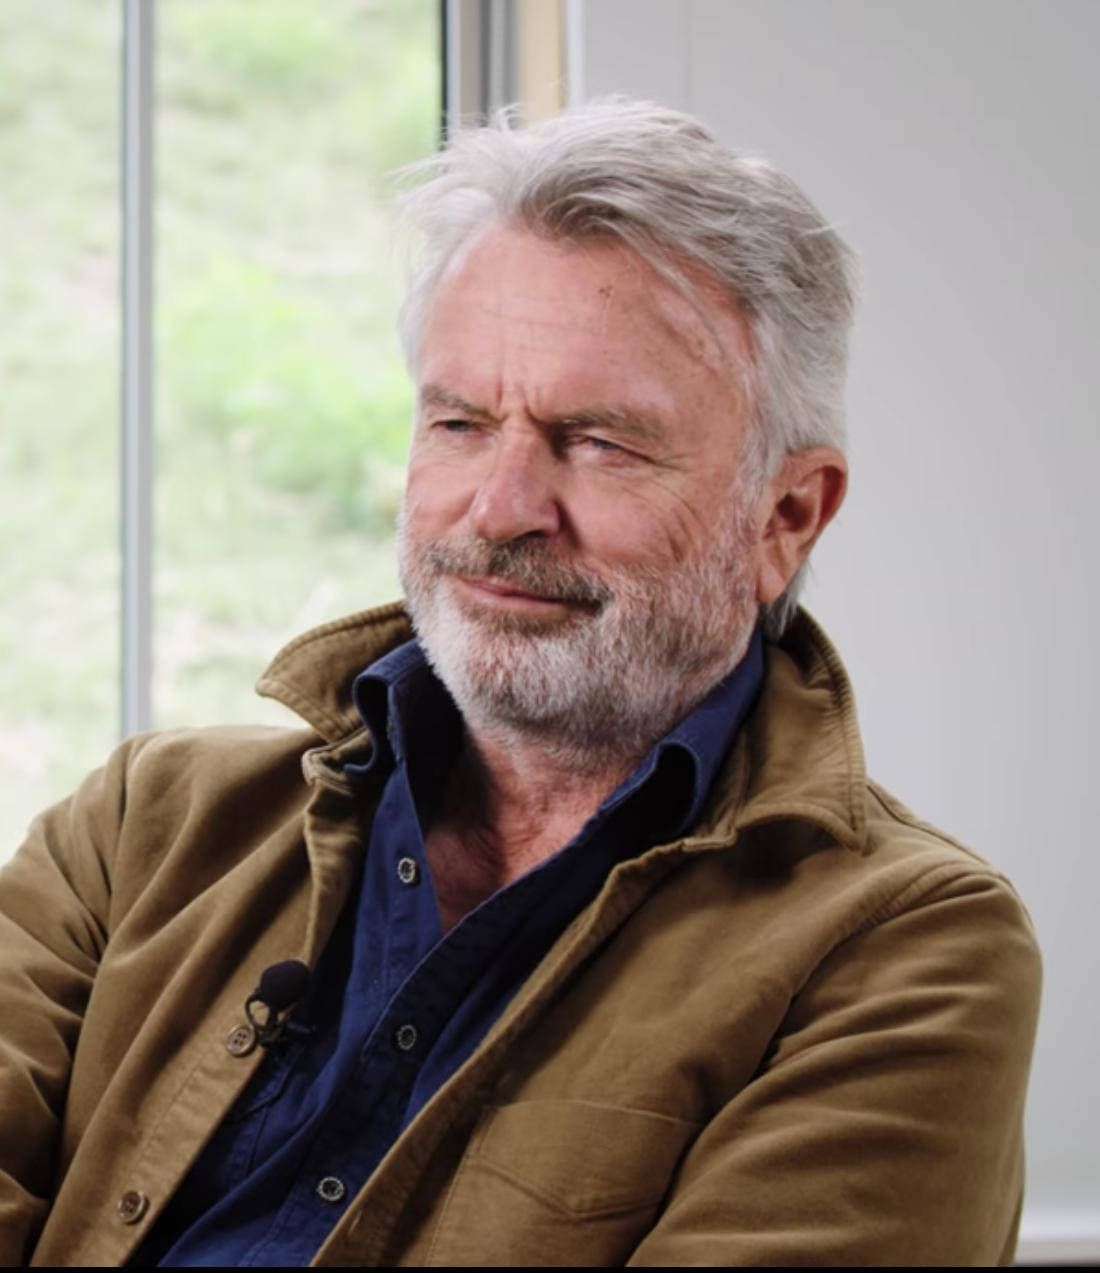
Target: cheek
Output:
{"points": [[436, 495], [684, 528], [645, 530]]}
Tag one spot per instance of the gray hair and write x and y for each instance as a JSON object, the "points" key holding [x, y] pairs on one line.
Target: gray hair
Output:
{"points": [[661, 183]]}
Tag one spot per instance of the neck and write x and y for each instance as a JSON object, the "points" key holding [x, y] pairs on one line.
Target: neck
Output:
{"points": [[515, 786], [510, 803]]}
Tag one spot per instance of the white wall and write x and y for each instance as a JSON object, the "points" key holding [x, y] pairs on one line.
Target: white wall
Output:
{"points": [[954, 144]]}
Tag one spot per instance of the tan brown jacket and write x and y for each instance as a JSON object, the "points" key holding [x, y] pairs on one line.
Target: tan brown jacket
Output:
{"points": [[799, 1036]]}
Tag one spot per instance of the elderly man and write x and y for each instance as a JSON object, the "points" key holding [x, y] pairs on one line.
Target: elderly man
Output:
{"points": [[569, 930]]}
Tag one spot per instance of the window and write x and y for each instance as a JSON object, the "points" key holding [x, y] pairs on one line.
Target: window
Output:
{"points": [[280, 405]]}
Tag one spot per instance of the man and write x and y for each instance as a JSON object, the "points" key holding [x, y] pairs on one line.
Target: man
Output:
{"points": [[605, 948]]}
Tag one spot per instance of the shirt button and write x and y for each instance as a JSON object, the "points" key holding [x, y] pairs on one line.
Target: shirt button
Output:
{"points": [[331, 1188], [240, 1041], [407, 870], [132, 1206], [405, 1037]]}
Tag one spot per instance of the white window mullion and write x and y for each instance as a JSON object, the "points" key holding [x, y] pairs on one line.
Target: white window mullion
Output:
{"points": [[502, 51], [465, 70], [136, 452]]}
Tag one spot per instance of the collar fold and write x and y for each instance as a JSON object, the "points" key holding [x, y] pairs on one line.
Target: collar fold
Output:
{"points": [[798, 756]]}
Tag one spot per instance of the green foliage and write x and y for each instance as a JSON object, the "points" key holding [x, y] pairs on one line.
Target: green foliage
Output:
{"points": [[265, 369], [282, 409], [281, 49]]}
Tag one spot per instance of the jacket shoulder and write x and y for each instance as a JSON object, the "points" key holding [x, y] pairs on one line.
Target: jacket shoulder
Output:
{"points": [[217, 753], [896, 833], [931, 869], [171, 798]]}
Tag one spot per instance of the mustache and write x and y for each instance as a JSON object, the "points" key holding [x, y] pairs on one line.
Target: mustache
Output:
{"points": [[526, 564]]}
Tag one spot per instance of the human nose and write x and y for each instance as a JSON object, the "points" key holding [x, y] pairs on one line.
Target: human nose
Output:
{"points": [[517, 495]]}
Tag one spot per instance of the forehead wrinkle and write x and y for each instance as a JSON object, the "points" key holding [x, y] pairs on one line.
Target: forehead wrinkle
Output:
{"points": [[624, 308], [703, 323], [517, 309], [692, 308]]}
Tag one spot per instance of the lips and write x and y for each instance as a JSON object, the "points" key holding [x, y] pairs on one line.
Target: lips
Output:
{"points": [[506, 589], [521, 572], [505, 597]]}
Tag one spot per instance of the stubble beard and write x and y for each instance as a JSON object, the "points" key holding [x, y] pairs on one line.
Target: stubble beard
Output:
{"points": [[597, 688]]}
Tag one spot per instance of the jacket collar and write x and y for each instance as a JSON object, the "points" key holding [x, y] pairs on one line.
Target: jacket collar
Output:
{"points": [[314, 674], [798, 756]]}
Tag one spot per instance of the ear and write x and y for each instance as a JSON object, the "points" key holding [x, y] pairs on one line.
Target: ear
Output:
{"points": [[797, 504]]}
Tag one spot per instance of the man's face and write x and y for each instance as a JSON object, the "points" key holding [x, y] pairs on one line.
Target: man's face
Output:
{"points": [[577, 552]]}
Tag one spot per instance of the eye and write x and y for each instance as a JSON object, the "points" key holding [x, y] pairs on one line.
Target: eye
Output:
{"points": [[592, 444], [454, 426]]}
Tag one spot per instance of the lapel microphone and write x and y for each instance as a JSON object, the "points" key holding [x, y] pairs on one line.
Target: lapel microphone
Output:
{"points": [[268, 1006]]}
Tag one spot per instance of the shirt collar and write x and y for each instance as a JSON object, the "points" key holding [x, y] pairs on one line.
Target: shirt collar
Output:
{"points": [[390, 695], [399, 695], [687, 759]]}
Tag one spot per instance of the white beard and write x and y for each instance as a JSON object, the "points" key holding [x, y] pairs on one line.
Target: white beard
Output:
{"points": [[641, 648]]}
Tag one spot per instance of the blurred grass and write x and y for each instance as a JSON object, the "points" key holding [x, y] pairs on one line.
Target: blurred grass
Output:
{"points": [[281, 406]]}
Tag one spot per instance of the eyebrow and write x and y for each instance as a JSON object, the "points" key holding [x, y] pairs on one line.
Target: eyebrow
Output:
{"points": [[622, 420], [436, 396]]}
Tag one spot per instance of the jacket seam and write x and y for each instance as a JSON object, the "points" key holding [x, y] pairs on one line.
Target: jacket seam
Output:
{"points": [[142, 1154], [445, 1209], [900, 815], [917, 892], [561, 1208]]}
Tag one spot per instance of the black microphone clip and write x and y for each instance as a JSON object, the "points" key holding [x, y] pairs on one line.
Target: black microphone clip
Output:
{"points": [[280, 988]]}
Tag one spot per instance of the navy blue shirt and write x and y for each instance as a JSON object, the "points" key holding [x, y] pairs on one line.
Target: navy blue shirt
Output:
{"points": [[396, 1005]]}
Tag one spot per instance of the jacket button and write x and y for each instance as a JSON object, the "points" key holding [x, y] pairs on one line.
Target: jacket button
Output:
{"points": [[132, 1206], [407, 870], [240, 1040]]}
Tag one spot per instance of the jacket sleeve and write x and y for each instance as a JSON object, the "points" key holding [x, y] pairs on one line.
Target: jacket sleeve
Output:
{"points": [[884, 1126], [54, 903]]}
